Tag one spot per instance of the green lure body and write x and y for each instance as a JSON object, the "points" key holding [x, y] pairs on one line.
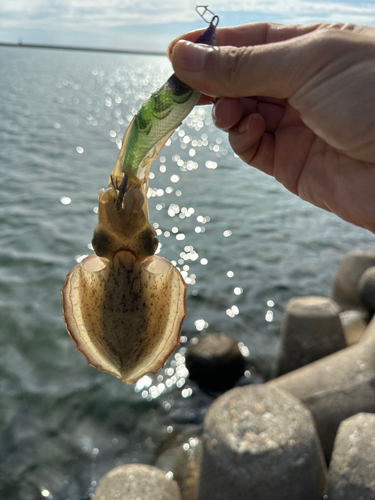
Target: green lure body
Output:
{"points": [[162, 112]]}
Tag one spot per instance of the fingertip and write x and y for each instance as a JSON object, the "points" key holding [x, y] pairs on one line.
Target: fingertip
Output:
{"points": [[170, 49], [189, 57], [254, 146], [254, 124], [227, 112], [192, 36], [173, 52], [206, 99], [248, 132]]}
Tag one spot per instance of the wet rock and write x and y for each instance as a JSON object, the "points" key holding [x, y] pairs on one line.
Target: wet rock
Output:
{"points": [[311, 329], [351, 474], [183, 459], [215, 362], [366, 289], [335, 387], [351, 268], [354, 324], [136, 482], [260, 443]]}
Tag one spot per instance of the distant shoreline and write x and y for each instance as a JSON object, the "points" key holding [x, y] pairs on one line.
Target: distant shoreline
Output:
{"points": [[84, 49]]}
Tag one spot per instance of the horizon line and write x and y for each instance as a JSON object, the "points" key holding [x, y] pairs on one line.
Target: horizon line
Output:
{"points": [[81, 48]]}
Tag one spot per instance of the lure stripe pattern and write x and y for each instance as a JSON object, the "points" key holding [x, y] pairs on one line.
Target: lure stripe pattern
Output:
{"points": [[163, 112]]}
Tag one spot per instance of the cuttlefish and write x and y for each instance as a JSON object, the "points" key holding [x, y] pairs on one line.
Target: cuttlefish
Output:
{"points": [[124, 306]]}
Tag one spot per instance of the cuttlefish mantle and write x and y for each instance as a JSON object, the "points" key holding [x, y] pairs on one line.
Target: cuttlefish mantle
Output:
{"points": [[125, 316], [124, 306]]}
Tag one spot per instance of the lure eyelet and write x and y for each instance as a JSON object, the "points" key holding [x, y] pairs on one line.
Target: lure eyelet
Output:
{"points": [[214, 20]]}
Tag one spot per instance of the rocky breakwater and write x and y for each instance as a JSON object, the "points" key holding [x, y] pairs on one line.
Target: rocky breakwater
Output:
{"points": [[273, 441], [341, 384]]}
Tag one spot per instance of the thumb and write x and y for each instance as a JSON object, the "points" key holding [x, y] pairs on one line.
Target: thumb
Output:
{"points": [[273, 70]]}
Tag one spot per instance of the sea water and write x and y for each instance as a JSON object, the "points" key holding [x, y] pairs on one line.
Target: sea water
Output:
{"points": [[244, 245]]}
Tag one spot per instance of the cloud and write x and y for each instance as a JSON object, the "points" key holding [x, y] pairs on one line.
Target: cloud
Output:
{"points": [[88, 12], [81, 14]]}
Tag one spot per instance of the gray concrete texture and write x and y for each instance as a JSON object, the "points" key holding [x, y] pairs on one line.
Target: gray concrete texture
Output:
{"points": [[260, 443], [350, 270], [311, 329], [335, 387], [136, 482], [354, 323], [215, 362], [351, 473], [183, 459], [366, 289]]}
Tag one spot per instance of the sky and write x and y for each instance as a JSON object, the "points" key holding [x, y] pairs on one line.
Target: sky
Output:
{"points": [[152, 24]]}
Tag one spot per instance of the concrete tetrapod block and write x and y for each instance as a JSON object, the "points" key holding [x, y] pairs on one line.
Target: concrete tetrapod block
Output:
{"points": [[311, 329], [345, 286], [335, 387], [354, 323], [366, 289], [260, 443], [351, 474], [215, 362], [183, 459], [136, 482]]}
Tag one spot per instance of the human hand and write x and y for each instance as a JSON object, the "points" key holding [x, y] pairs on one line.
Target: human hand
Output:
{"points": [[298, 103]]}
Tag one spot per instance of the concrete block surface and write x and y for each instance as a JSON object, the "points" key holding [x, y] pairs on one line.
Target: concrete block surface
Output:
{"points": [[215, 362], [183, 459], [350, 270], [311, 329], [366, 289], [260, 443], [354, 323], [335, 387], [136, 482], [351, 474]]}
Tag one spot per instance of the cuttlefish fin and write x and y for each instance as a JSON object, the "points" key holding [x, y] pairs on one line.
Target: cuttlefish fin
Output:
{"points": [[125, 316]]}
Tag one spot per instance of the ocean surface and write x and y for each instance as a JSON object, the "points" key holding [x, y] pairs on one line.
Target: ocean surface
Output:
{"points": [[244, 244]]}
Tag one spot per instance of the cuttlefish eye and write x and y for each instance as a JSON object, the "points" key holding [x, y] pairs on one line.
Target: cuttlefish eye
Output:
{"points": [[147, 242], [102, 241]]}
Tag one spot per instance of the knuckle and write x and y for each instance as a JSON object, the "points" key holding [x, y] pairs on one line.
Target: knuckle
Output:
{"points": [[234, 66]]}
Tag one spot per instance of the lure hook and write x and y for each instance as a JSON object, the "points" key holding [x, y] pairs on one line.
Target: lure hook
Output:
{"points": [[215, 19]]}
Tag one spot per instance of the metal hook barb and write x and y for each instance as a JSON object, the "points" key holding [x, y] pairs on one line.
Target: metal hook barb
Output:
{"points": [[214, 20]]}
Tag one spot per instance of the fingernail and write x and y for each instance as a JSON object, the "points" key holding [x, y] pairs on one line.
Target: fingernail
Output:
{"points": [[214, 107], [189, 56], [245, 124], [214, 115]]}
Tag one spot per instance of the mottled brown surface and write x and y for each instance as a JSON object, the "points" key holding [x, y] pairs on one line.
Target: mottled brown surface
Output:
{"points": [[124, 229], [127, 227], [124, 307], [125, 319]]}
